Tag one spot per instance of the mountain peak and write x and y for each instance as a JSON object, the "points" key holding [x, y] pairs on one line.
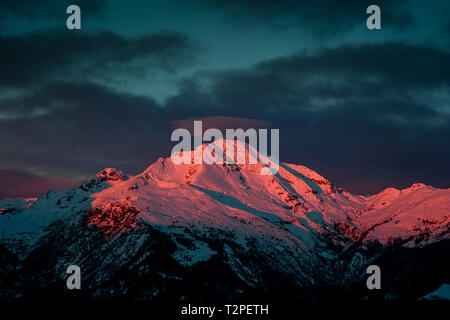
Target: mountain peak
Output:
{"points": [[295, 220], [111, 174], [418, 185]]}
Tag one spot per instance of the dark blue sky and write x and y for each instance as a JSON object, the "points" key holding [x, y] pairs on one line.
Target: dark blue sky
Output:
{"points": [[366, 109]]}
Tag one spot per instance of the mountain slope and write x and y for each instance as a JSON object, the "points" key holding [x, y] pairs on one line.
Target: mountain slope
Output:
{"points": [[215, 231]]}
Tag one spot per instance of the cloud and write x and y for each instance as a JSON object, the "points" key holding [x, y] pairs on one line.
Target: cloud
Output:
{"points": [[394, 63], [82, 128], [373, 81], [61, 55], [221, 123]]}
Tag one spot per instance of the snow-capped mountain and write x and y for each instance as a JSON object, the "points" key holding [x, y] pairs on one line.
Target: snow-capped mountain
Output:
{"points": [[181, 231]]}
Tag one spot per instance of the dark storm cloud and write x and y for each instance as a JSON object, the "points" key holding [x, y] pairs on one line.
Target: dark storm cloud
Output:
{"points": [[61, 54], [342, 78], [323, 17], [377, 81], [45, 9], [83, 128], [393, 63]]}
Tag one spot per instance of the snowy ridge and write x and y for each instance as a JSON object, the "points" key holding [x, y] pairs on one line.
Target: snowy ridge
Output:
{"points": [[295, 221]]}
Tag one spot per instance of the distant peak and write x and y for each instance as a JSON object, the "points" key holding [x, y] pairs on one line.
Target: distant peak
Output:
{"points": [[418, 185], [111, 174], [390, 190]]}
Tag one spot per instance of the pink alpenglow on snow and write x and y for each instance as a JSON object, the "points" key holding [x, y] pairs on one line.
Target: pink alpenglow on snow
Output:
{"points": [[223, 195], [295, 222]]}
